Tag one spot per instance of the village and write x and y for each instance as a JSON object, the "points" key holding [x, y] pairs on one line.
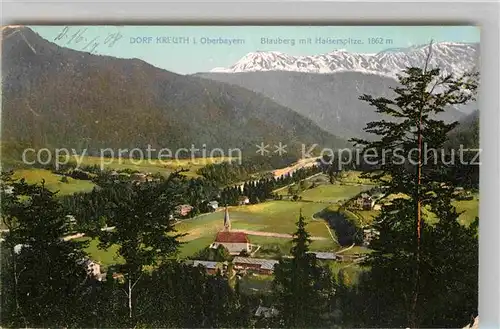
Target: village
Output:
{"points": [[244, 257]]}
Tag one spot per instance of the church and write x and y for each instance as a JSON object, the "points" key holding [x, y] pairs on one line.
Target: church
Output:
{"points": [[234, 242]]}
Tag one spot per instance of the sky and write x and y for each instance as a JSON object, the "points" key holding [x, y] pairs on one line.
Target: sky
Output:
{"points": [[192, 49]]}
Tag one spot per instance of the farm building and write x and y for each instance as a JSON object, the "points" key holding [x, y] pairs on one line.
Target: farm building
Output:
{"points": [[139, 177], [8, 189], [18, 247], [369, 234], [324, 255], [365, 202], [183, 209], [257, 265], [211, 267], [92, 268], [243, 200], [266, 312], [213, 205]]}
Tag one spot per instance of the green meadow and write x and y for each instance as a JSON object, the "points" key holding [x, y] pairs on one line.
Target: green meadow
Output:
{"points": [[150, 165], [273, 216], [277, 216], [53, 181], [105, 257], [333, 192], [468, 209]]}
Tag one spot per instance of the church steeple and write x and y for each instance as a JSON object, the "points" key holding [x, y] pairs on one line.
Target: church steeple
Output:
{"points": [[227, 221]]}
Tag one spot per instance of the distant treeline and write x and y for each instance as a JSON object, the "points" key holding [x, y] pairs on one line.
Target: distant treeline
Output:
{"points": [[226, 173]]}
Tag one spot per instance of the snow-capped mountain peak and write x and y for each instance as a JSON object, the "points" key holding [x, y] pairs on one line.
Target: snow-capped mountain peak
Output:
{"points": [[451, 57]]}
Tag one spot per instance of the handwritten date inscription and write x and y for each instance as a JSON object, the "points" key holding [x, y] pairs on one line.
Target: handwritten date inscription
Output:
{"points": [[79, 36]]}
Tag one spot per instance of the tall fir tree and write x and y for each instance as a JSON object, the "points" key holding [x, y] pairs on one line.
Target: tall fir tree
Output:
{"points": [[303, 288], [43, 282], [412, 270], [143, 228]]}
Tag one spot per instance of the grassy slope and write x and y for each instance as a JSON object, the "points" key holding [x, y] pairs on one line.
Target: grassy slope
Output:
{"points": [[280, 217], [272, 216], [104, 257], [470, 209], [53, 181], [152, 165], [332, 193]]}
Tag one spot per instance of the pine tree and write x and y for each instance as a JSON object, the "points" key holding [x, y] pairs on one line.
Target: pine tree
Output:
{"points": [[409, 265], [43, 283], [302, 287], [143, 228]]}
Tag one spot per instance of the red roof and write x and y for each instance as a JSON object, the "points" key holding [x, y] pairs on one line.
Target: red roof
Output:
{"points": [[231, 237]]}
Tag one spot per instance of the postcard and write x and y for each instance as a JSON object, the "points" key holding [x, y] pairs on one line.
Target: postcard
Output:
{"points": [[240, 176]]}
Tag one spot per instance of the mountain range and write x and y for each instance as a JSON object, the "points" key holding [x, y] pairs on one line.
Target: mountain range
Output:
{"points": [[450, 57], [330, 100], [326, 88], [59, 97]]}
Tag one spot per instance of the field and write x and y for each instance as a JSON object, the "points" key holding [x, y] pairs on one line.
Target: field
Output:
{"points": [[151, 165], [104, 257], [280, 217], [470, 209], [351, 271], [273, 216], [354, 177], [333, 192], [256, 283], [53, 181]]}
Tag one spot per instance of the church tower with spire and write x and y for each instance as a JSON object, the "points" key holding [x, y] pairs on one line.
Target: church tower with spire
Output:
{"points": [[227, 221], [234, 242]]}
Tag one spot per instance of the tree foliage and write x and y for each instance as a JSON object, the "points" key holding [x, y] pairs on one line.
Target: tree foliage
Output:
{"points": [[421, 248], [304, 290], [43, 283]]}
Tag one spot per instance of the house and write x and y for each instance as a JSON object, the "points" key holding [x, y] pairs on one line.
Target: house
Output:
{"points": [[256, 265], [324, 255], [368, 235], [211, 267], [71, 220], [266, 312], [365, 202], [8, 189], [377, 207], [243, 200], [368, 203], [18, 247], [347, 257], [138, 177], [183, 209], [118, 277], [213, 205], [92, 268]]}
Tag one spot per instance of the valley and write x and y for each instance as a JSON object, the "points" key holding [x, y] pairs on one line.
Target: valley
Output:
{"points": [[137, 193]]}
